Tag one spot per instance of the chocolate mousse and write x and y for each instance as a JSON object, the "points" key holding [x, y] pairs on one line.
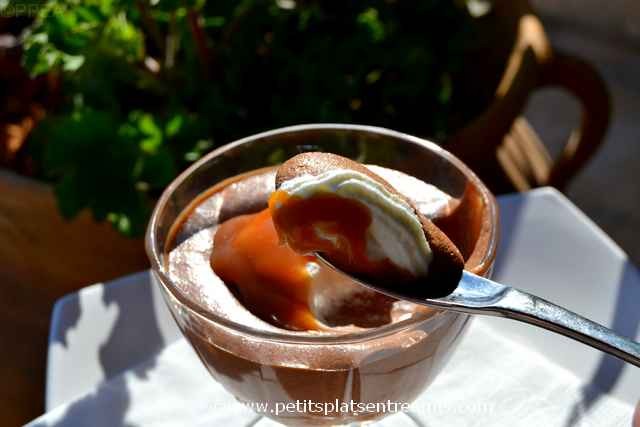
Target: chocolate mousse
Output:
{"points": [[334, 341], [226, 255]]}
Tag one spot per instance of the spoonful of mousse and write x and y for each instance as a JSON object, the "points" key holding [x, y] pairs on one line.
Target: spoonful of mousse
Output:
{"points": [[358, 224]]}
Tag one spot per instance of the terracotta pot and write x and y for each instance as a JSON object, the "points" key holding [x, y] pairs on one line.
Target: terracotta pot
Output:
{"points": [[40, 248], [43, 257], [498, 144]]}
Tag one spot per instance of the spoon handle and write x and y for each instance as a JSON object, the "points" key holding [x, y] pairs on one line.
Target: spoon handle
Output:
{"points": [[519, 305]]}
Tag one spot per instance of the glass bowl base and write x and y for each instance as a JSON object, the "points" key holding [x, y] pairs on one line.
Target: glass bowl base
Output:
{"points": [[401, 419]]}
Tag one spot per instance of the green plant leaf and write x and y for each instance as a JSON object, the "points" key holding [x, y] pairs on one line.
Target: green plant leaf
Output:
{"points": [[121, 38], [174, 125], [371, 21], [72, 62], [71, 199]]}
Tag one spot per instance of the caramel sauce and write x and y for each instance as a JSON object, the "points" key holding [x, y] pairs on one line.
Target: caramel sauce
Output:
{"points": [[272, 279], [334, 226], [270, 269]]}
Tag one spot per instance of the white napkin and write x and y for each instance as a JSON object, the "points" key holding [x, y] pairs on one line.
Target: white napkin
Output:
{"points": [[490, 381]]}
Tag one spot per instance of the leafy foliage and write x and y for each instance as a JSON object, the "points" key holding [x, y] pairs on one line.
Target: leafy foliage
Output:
{"points": [[151, 86]]}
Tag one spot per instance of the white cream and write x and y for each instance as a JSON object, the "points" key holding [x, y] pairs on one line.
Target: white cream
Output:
{"points": [[395, 232]]}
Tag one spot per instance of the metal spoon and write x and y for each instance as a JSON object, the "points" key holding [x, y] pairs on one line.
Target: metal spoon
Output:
{"points": [[477, 295]]}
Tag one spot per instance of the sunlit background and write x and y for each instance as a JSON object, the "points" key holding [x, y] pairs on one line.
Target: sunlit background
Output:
{"points": [[103, 102]]}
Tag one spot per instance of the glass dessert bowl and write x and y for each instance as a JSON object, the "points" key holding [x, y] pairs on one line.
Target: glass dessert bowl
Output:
{"points": [[305, 378]]}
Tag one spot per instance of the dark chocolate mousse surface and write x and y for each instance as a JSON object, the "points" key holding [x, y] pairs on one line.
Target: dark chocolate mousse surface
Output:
{"points": [[346, 305]]}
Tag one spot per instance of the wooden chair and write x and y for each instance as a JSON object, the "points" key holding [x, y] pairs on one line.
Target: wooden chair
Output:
{"points": [[500, 145]]}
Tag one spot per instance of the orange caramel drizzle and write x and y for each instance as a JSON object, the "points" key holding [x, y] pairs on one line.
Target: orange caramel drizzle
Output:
{"points": [[260, 254], [334, 226], [272, 279]]}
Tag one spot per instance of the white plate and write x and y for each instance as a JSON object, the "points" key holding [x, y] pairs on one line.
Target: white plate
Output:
{"points": [[547, 247]]}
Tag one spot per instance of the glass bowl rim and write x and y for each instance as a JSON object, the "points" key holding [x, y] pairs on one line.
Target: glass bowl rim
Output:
{"points": [[290, 337]]}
